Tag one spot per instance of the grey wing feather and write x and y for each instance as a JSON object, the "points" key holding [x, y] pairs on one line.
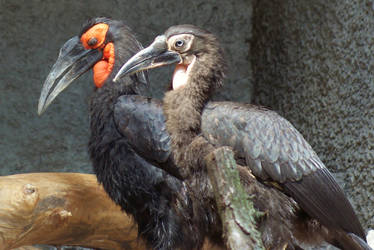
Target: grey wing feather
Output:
{"points": [[322, 198], [141, 120], [271, 146], [275, 150]]}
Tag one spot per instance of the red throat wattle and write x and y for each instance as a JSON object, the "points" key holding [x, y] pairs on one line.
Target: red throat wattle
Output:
{"points": [[103, 68]]}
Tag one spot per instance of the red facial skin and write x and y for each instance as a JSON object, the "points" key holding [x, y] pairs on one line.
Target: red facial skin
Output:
{"points": [[94, 38]]}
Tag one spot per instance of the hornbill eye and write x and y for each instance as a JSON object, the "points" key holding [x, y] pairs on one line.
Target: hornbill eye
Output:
{"points": [[179, 43], [92, 41]]}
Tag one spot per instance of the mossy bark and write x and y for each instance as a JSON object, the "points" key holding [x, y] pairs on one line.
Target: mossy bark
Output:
{"points": [[235, 206]]}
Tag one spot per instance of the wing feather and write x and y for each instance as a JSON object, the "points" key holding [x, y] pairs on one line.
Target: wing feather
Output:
{"points": [[321, 197], [141, 120], [275, 150], [262, 137]]}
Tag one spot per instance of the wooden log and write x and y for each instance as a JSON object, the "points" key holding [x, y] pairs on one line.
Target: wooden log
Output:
{"points": [[235, 207], [62, 209], [27, 248]]}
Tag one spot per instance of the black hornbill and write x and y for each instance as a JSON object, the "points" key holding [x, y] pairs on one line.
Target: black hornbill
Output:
{"points": [[128, 144], [267, 143]]}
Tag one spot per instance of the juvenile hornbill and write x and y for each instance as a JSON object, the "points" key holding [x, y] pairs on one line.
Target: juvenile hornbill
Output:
{"points": [[268, 144]]}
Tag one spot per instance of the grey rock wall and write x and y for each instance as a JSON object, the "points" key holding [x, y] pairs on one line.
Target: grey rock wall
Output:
{"points": [[313, 62]]}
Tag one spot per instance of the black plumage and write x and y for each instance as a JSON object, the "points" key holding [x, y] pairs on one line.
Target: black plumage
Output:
{"points": [[267, 143], [127, 157]]}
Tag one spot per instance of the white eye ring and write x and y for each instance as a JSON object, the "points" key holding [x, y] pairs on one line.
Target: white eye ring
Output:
{"points": [[179, 43]]}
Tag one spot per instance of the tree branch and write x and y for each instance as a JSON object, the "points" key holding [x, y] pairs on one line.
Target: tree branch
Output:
{"points": [[235, 207], [61, 209]]}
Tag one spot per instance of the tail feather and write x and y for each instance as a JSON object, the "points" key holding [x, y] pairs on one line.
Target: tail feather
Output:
{"points": [[359, 242], [321, 197], [347, 241]]}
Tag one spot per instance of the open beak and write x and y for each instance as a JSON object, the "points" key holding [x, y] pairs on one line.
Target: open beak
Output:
{"points": [[155, 55], [73, 61]]}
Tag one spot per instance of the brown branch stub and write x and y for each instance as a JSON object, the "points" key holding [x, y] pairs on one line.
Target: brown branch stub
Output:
{"points": [[62, 209], [235, 207]]}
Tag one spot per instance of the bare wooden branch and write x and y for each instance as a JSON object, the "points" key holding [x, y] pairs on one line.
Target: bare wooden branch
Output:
{"points": [[235, 207], [27, 248], [61, 209]]}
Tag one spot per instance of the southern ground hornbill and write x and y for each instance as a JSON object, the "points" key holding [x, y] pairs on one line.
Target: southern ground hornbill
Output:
{"points": [[130, 148], [128, 142], [267, 143]]}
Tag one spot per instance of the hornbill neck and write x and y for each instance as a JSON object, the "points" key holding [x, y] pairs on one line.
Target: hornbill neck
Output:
{"points": [[183, 106], [199, 86], [206, 74], [105, 97]]}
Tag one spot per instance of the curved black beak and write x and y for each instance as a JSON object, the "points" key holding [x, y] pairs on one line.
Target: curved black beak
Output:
{"points": [[155, 55], [73, 61]]}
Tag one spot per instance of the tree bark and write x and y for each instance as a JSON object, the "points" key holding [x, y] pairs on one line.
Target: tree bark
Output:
{"points": [[235, 207], [62, 209]]}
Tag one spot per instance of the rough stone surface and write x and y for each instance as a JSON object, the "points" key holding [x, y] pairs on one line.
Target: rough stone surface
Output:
{"points": [[313, 62]]}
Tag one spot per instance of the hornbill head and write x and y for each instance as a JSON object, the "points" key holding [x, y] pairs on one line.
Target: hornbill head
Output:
{"points": [[101, 45], [192, 48]]}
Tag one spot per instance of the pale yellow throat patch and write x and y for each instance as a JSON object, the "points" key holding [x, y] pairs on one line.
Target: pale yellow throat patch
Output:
{"points": [[180, 76], [181, 73]]}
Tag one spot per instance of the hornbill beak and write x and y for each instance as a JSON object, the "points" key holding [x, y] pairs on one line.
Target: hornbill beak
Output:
{"points": [[73, 61], [155, 55]]}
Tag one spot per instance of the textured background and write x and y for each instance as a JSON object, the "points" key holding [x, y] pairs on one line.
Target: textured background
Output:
{"points": [[32, 33], [311, 61]]}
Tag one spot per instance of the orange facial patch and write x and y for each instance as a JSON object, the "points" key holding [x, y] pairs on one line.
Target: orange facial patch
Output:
{"points": [[103, 68], [95, 37]]}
